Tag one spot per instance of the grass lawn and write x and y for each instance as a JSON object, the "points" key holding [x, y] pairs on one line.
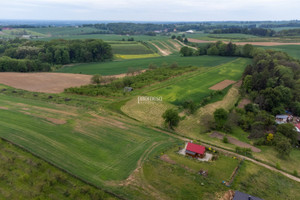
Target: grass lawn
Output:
{"points": [[119, 67], [181, 181]]}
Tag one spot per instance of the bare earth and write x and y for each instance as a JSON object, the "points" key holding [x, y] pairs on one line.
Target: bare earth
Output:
{"points": [[222, 85], [43, 82], [235, 141], [243, 43], [243, 103]]}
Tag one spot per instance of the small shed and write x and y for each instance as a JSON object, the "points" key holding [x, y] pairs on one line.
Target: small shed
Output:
{"points": [[195, 150], [281, 119], [243, 196], [128, 89]]}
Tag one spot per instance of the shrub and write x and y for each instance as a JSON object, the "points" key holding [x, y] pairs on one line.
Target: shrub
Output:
{"points": [[225, 139]]}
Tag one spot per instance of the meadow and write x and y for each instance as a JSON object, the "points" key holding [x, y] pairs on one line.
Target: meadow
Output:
{"points": [[95, 146], [197, 87], [63, 31], [292, 50], [130, 49], [49, 182], [119, 67]]}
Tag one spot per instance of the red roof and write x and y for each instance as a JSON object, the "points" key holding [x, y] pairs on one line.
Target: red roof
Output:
{"points": [[298, 125], [195, 148]]}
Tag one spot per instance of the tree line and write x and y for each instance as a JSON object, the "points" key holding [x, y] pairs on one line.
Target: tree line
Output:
{"points": [[24, 56], [249, 31]]}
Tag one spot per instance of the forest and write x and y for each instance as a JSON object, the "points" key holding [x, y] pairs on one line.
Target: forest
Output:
{"points": [[28, 56]]}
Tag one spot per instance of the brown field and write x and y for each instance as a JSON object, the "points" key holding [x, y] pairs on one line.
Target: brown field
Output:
{"points": [[43, 82], [243, 43], [222, 85]]}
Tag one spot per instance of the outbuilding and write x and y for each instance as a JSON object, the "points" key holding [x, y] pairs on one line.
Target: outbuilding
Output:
{"points": [[195, 150], [243, 196]]}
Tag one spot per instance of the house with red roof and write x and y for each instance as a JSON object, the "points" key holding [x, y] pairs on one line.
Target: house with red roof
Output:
{"points": [[195, 150]]}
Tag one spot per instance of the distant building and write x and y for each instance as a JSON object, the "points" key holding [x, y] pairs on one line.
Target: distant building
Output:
{"points": [[128, 89], [243, 196], [195, 150], [190, 31], [281, 119]]}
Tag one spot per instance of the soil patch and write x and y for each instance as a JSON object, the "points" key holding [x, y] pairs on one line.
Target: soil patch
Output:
{"points": [[56, 121], [243, 102], [235, 141], [44, 82], [164, 52], [167, 159], [3, 108], [222, 85]]}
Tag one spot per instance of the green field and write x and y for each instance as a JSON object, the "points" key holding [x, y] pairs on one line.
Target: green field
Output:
{"points": [[97, 147], [292, 50], [119, 67], [63, 31], [130, 49], [33, 178], [196, 87], [107, 37]]}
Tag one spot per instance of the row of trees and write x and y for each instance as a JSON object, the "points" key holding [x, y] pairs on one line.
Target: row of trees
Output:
{"points": [[220, 49], [250, 31], [55, 52]]}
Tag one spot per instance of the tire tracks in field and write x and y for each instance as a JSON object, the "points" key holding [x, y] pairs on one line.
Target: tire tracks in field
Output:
{"points": [[163, 52]]}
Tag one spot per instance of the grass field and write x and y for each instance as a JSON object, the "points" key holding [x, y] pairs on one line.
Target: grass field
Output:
{"points": [[130, 49], [263, 183], [107, 37], [197, 87], [95, 146], [33, 178], [292, 50], [63, 31], [119, 67]]}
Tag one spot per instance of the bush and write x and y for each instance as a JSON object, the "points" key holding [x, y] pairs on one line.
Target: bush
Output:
{"points": [[171, 118], [225, 139], [96, 79]]}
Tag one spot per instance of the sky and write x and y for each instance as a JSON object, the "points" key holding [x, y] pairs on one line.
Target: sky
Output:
{"points": [[151, 10]]}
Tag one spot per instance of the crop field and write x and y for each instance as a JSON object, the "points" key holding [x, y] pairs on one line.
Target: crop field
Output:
{"points": [[130, 49], [43, 82], [94, 146], [119, 67], [197, 87], [63, 31], [107, 37], [292, 50]]}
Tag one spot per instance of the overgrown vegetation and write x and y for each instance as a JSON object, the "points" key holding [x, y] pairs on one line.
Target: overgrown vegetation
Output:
{"points": [[116, 87], [36, 179]]}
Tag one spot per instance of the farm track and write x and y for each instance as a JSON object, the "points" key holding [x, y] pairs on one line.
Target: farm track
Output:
{"points": [[164, 52]]}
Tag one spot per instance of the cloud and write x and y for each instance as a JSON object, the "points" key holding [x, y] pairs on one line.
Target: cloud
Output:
{"points": [[151, 10]]}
